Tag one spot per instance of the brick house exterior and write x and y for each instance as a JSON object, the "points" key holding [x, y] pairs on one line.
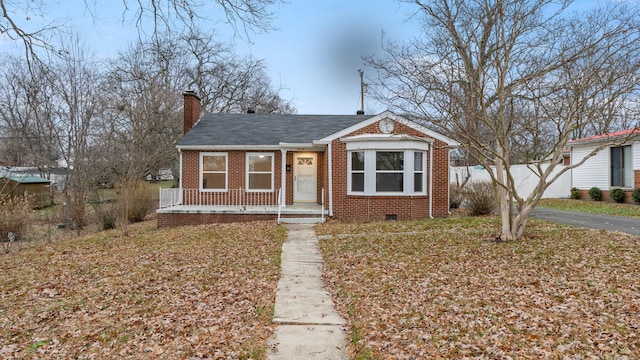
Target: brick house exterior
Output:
{"points": [[242, 167]]}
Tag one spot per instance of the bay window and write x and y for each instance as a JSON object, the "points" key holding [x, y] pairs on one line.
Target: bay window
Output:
{"points": [[384, 172]]}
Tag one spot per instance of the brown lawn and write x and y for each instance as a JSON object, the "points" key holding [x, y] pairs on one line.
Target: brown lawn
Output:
{"points": [[442, 289], [187, 292]]}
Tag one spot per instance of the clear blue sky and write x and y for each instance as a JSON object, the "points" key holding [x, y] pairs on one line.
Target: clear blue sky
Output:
{"points": [[314, 54]]}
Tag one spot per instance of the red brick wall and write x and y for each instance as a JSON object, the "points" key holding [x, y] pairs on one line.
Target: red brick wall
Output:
{"points": [[191, 112], [354, 207], [237, 171], [236, 176], [636, 179], [172, 220], [290, 174], [372, 208]]}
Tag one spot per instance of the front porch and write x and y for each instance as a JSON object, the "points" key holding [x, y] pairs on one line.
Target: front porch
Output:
{"points": [[192, 207]]}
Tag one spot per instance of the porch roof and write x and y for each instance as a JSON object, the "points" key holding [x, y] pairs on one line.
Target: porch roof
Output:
{"points": [[264, 130]]}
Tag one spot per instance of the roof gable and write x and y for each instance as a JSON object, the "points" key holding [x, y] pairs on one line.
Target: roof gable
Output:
{"points": [[390, 115]]}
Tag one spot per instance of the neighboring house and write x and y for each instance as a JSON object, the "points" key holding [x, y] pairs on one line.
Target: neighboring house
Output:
{"points": [[35, 186], [240, 167], [616, 165]]}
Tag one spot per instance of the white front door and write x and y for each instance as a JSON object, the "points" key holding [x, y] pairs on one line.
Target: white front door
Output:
{"points": [[305, 176]]}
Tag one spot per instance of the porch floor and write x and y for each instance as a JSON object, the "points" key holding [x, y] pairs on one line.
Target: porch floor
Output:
{"points": [[300, 209]]}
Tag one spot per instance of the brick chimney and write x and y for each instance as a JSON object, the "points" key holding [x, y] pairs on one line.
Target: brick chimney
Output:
{"points": [[191, 109]]}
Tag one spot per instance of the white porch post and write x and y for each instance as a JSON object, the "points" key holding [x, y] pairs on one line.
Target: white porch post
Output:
{"points": [[283, 181]]}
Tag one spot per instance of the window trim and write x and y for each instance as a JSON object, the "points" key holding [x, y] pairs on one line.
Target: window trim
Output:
{"points": [[351, 172], [422, 172], [402, 171], [370, 172], [247, 172], [226, 171]]}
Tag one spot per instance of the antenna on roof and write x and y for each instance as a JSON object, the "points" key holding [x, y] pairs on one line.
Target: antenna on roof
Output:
{"points": [[363, 89]]}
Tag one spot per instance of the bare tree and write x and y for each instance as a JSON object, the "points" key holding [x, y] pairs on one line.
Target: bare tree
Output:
{"points": [[76, 106], [165, 16], [28, 137], [225, 82], [507, 76]]}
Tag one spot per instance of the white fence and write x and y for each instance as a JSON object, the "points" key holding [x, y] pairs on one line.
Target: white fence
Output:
{"points": [[523, 176]]}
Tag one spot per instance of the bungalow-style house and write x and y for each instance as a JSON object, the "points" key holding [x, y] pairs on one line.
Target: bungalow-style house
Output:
{"points": [[242, 167], [615, 166]]}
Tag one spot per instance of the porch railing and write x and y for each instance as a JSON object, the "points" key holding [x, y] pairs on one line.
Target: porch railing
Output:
{"points": [[229, 198], [169, 197]]}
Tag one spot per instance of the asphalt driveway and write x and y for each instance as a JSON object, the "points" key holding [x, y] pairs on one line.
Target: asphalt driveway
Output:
{"points": [[590, 221]]}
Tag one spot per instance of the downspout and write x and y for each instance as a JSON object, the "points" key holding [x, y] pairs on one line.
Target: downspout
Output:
{"points": [[330, 171], [430, 181]]}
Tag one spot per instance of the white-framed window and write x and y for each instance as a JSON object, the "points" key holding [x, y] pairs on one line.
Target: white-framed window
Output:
{"points": [[383, 172], [357, 171], [389, 171], [213, 171], [621, 166], [418, 171], [259, 171]]}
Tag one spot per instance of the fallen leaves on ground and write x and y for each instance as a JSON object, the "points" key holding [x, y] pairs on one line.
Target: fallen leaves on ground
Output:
{"points": [[188, 292], [441, 289]]}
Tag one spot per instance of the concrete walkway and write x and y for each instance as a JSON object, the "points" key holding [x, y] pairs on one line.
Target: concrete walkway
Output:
{"points": [[308, 325]]}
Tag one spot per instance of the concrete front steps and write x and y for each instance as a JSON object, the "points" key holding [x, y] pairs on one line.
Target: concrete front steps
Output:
{"points": [[300, 220]]}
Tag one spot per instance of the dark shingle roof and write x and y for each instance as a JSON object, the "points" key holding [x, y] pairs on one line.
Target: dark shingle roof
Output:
{"points": [[265, 129]]}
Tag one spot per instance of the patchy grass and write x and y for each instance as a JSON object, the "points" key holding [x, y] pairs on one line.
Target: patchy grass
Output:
{"points": [[594, 207], [440, 289], [205, 291]]}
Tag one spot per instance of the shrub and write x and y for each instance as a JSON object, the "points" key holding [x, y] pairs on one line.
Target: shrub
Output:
{"points": [[480, 198], [575, 193], [14, 219], [595, 193], [635, 195], [617, 195], [108, 222], [140, 201], [456, 195]]}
